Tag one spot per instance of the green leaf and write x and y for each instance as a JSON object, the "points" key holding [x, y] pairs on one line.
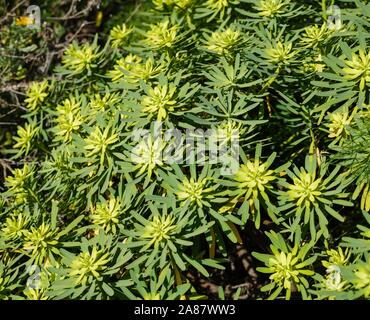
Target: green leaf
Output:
{"points": [[197, 265], [107, 289]]}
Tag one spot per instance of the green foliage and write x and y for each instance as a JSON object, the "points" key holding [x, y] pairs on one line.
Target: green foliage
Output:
{"points": [[98, 205], [313, 194], [288, 267]]}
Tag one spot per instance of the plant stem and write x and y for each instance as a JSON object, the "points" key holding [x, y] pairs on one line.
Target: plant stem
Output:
{"points": [[270, 81], [323, 8]]}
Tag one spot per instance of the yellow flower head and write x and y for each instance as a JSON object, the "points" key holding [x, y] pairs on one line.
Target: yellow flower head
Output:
{"points": [[15, 226], [228, 130], [107, 214], [271, 8], [339, 123], [24, 21], [280, 53], [81, 58], [88, 265], [191, 189], [147, 154], [358, 68], [223, 42], [119, 35], [284, 271], [19, 177], [314, 35], [25, 135], [69, 118], [41, 241], [161, 35], [98, 142], [145, 71], [254, 177], [161, 228], [305, 188], [36, 94], [100, 103], [123, 67], [176, 4], [220, 5], [160, 101], [337, 257]]}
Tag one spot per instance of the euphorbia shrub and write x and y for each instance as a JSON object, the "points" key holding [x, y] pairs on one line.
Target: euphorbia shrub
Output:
{"points": [[99, 207]]}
